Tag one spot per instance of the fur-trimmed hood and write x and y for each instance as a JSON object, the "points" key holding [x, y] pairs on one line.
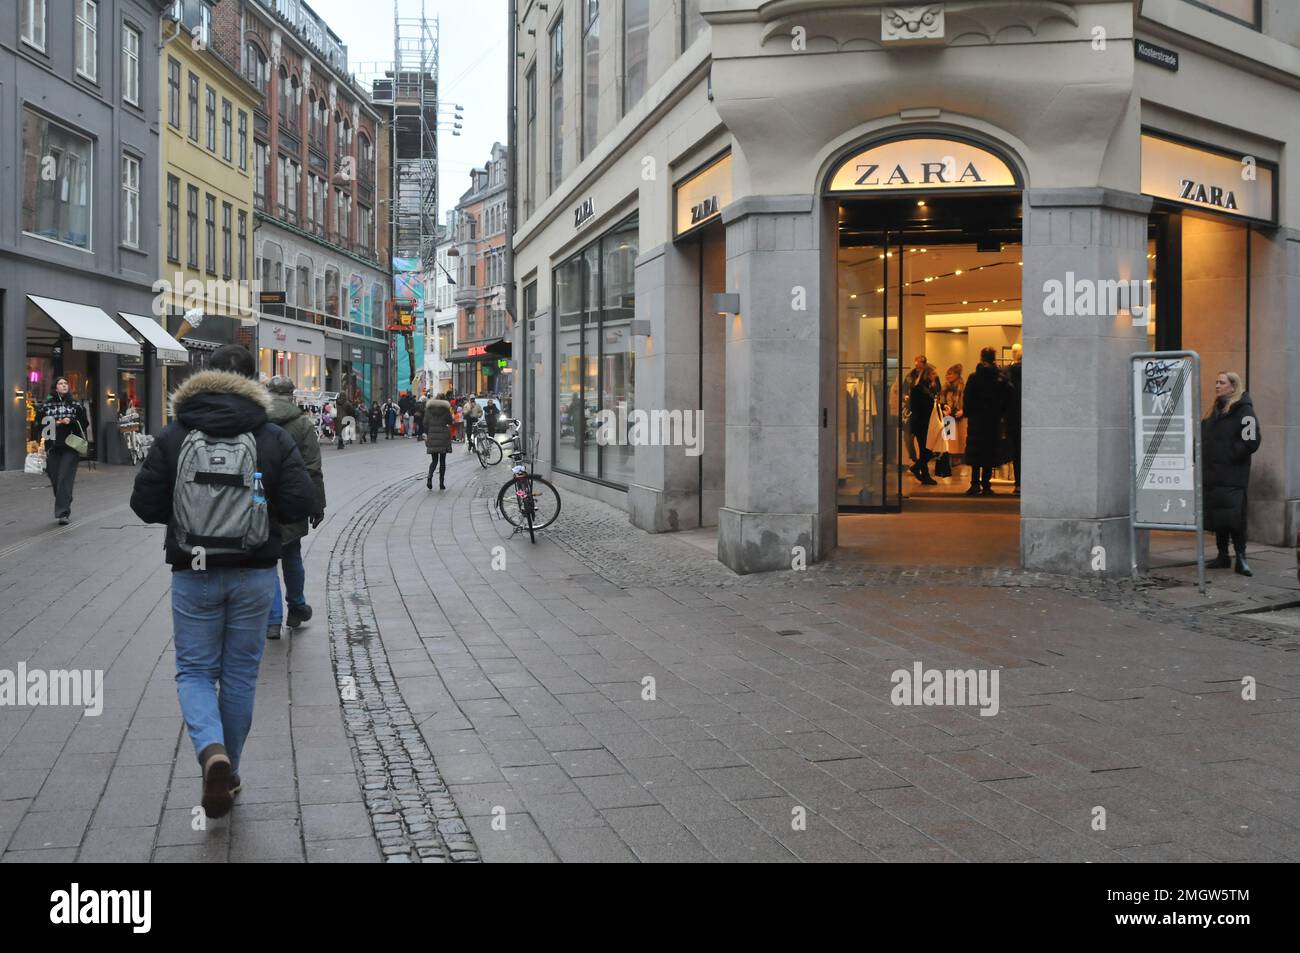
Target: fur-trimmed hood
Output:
{"points": [[221, 403]]}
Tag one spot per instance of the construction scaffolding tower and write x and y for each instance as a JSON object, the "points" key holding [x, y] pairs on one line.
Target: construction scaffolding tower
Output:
{"points": [[410, 86], [413, 91]]}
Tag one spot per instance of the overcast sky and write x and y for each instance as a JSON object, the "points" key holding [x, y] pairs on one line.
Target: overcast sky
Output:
{"points": [[472, 60]]}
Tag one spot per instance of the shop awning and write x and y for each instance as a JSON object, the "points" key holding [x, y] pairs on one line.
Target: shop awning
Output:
{"points": [[482, 351], [89, 327], [168, 349]]}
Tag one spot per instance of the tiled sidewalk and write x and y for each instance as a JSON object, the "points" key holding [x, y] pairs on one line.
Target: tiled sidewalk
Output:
{"points": [[770, 734]]}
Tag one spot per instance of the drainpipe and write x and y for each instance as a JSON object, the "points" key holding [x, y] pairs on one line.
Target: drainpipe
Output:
{"points": [[511, 194]]}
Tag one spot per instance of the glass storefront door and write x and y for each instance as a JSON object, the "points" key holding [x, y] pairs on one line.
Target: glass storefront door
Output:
{"points": [[867, 475], [920, 285]]}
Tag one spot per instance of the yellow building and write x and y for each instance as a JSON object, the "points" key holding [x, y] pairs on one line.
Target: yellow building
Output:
{"points": [[206, 295]]}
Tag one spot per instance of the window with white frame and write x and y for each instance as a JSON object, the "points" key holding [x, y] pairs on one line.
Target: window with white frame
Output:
{"points": [[131, 65], [130, 201], [556, 173], [591, 77], [210, 233], [243, 140], [59, 162], [226, 131], [87, 38], [31, 22]]}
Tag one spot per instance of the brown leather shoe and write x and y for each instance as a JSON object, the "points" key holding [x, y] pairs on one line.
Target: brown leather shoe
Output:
{"points": [[217, 799]]}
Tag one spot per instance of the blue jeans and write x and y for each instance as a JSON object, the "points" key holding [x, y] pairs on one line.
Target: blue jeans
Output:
{"points": [[219, 617], [295, 580]]}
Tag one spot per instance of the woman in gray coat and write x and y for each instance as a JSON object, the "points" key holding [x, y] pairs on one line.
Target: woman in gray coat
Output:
{"points": [[437, 437]]}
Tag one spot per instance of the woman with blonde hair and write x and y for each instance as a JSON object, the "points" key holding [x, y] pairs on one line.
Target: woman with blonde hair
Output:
{"points": [[1230, 433]]}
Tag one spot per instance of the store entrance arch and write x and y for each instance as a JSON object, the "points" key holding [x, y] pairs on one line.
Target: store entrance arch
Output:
{"points": [[928, 277]]}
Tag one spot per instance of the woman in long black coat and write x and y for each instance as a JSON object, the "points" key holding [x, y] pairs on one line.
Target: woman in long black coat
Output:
{"points": [[1230, 433], [984, 403], [437, 437]]}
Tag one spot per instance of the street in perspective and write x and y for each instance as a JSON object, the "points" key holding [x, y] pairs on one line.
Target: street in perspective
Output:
{"points": [[651, 431]]}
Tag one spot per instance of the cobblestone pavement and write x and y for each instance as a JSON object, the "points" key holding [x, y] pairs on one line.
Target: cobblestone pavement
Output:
{"points": [[513, 678]]}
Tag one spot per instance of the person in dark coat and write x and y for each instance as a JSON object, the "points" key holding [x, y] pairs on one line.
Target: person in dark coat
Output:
{"points": [[376, 420], [920, 397], [437, 437], [1013, 414], [1230, 433], [221, 601], [59, 417], [390, 410], [986, 398], [287, 415]]}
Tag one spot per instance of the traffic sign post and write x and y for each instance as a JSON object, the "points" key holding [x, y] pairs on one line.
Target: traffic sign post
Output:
{"points": [[1164, 448]]}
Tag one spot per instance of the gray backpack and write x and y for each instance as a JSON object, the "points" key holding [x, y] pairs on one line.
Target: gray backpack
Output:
{"points": [[213, 505]]}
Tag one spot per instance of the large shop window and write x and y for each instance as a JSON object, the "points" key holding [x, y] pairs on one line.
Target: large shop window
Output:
{"points": [[58, 162], [594, 359]]}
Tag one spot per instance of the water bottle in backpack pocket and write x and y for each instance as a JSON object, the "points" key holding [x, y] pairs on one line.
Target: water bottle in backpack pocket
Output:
{"points": [[219, 503]]}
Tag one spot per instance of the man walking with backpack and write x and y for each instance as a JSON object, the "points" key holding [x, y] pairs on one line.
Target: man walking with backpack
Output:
{"points": [[223, 479], [289, 416]]}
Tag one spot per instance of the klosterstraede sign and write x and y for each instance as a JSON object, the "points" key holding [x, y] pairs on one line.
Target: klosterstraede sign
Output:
{"points": [[1165, 473]]}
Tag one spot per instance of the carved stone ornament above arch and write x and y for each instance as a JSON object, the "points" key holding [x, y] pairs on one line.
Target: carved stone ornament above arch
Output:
{"points": [[842, 25], [276, 38]]}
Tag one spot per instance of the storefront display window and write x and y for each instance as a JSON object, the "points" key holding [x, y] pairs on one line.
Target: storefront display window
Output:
{"points": [[594, 360]]}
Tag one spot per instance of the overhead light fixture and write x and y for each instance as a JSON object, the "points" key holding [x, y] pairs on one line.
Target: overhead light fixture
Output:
{"points": [[921, 203], [852, 296]]}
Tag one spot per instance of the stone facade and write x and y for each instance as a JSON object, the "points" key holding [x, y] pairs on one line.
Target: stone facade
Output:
{"points": [[787, 91]]}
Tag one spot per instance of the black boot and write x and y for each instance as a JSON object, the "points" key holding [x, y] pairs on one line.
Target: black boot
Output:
{"points": [[1223, 561], [1240, 567]]}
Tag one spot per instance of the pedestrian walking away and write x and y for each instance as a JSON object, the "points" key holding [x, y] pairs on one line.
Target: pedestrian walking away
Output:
{"points": [[437, 437], [289, 417], [1230, 434], [61, 416], [985, 400], [374, 417], [223, 479]]}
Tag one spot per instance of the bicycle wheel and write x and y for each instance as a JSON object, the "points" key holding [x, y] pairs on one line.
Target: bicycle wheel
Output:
{"points": [[479, 452], [545, 502], [492, 451]]}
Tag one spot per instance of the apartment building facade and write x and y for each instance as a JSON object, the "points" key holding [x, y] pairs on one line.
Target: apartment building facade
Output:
{"points": [[317, 141], [78, 235], [206, 292], [481, 358], [756, 216]]}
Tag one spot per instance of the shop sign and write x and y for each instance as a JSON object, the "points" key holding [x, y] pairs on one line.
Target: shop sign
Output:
{"points": [[478, 350], [280, 333], [271, 297], [1236, 185], [702, 197], [502, 362], [584, 213], [356, 354], [1164, 470], [928, 164]]}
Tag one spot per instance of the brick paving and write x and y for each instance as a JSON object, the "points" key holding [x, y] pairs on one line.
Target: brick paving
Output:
{"points": [[503, 713]]}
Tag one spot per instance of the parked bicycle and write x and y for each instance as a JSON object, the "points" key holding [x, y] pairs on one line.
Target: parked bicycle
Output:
{"points": [[527, 501], [485, 446]]}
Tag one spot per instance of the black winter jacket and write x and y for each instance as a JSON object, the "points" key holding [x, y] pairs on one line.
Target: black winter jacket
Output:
{"points": [[223, 405], [985, 401], [1227, 453]]}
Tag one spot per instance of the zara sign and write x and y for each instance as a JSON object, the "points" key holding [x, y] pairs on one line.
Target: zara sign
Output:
{"points": [[929, 163]]}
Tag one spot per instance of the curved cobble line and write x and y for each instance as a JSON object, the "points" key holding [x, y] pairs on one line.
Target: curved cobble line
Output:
{"points": [[598, 535], [414, 816]]}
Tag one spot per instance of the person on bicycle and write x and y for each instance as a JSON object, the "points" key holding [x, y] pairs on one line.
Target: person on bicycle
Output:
{"points": [[437, 437]]}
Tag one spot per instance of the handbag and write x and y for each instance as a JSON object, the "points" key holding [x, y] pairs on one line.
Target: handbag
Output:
{"points": [[78, 443], [943, 466]]}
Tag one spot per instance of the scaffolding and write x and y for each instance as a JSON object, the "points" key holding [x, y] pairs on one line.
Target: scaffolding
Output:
{"points": [[410, 87]]}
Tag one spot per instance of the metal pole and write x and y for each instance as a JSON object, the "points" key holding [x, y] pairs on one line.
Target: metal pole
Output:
{"points": [[1196, 454], [1134, 437]]}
